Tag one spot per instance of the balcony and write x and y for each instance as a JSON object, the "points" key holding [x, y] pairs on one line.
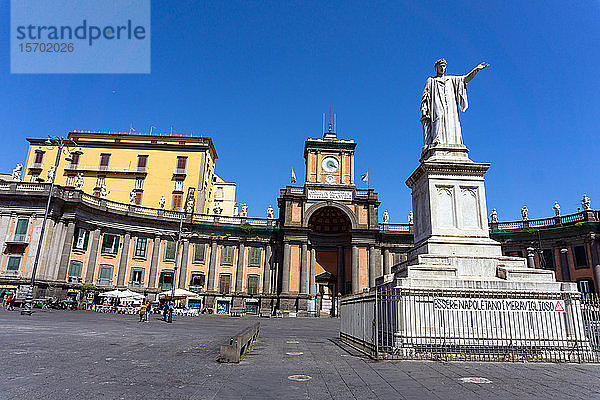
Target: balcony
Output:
{"points": [[106, 169], [74, 279], [36, 166], [179, 171]]}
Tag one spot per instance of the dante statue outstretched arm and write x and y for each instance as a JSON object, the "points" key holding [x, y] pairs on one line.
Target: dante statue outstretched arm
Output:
{"points": [[475, 70]]}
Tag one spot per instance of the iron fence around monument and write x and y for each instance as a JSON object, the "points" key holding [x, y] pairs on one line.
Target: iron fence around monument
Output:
{"points": [[473, 325]]}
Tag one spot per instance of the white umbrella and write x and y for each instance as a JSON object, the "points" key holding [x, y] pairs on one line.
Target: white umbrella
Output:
{"points": [[126, 294], [112, 293], [179, 293]]}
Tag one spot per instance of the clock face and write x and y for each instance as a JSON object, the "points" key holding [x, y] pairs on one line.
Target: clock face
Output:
{"points": [[330, 179], [330, 164]]}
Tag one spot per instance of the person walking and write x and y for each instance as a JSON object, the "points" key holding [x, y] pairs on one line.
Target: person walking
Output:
{"points": [[148, 312], [166, 311], [143, 311]]}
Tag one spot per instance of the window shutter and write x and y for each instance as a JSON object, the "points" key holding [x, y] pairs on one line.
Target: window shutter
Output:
{"points": [[116, 245], [75, 236], [85, 239]]}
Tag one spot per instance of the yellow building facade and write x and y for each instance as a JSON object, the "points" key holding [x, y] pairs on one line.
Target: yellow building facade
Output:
{"points": [[148, 170]]}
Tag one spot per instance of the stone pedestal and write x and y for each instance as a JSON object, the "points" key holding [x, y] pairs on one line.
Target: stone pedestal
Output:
{"points": [[452, 246]]}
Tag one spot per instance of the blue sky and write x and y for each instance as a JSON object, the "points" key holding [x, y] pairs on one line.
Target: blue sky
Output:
{"points": [[257, 76]]}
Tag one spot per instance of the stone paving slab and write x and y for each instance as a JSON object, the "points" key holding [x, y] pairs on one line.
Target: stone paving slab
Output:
{"points": [[78, 354]]}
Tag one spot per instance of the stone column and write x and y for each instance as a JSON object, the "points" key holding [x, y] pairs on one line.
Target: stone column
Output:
{"points": [[377, 258], [239, 272], [123, 260], [371, 266], [285, 279], [313, 271], [530, 257], [303, 268], [267, 271], [355, 281], [340, 271], [595, 250], [184, 261], [91, 265], [386, 262], [154, 262], [66, 251], [212, 266]]}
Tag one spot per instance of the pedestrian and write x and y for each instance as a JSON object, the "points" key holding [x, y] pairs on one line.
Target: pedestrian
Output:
{"points": [[142, 312], [170, 312], [166, 311], [148, 311]]}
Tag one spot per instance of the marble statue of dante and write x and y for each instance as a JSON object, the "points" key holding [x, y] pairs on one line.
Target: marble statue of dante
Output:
{"points": [[270, 212], [442, 97], [586, 203]]}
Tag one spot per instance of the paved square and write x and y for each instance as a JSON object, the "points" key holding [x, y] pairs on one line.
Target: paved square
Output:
{"points": [[78, 354]]}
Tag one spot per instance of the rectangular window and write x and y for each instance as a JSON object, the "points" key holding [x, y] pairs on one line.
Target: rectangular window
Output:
{"points": [[142, 163], [39, 157], [166, 280], [580, 257], [105, 275], [178, 185], [227, 255], [74, 274], [110, 243], [100, 181], [219, 193], [13, 264], [252, 284], [70, 180], [138, 198], [548, 259], [21, 230], [197, 281], [181, 164], [254, 256], [81, 238], [74, 160], [199, 252], [141, 245], [177, 197], [398, 258], [224, 283], [137, 278], [139, 183], [585, 286], [104, 159], [170, 247]]}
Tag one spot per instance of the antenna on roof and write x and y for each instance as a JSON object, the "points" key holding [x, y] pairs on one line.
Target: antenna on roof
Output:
{"points": [[334, 123], [323, 124], [171, 129]]}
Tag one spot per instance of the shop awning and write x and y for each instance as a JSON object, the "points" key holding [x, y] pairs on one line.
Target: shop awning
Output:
{"points": [[8, 287]]}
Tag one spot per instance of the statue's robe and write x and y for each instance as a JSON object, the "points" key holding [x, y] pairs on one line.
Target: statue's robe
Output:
{"points": [[442, 97]]}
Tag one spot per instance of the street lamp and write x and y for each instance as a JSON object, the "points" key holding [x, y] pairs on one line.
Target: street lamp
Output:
{"points": [[61, 143]]}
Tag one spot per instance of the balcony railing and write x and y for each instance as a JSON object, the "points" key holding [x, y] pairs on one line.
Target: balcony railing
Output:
{"points": [[106, 168], [36, 166], [179, 171], [588, 215]]}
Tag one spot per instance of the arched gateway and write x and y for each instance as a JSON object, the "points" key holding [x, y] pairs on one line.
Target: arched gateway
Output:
{"points": [[328, 231]]}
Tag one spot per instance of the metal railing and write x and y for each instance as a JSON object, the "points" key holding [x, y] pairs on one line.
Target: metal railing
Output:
{"points": [[473, 325], [545, 222]]}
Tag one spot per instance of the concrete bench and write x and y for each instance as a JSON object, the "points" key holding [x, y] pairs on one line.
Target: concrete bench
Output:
{"points": [[239, 344]]}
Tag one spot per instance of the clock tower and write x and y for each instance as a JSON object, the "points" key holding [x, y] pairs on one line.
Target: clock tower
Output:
{"points": [[329, 161]]}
